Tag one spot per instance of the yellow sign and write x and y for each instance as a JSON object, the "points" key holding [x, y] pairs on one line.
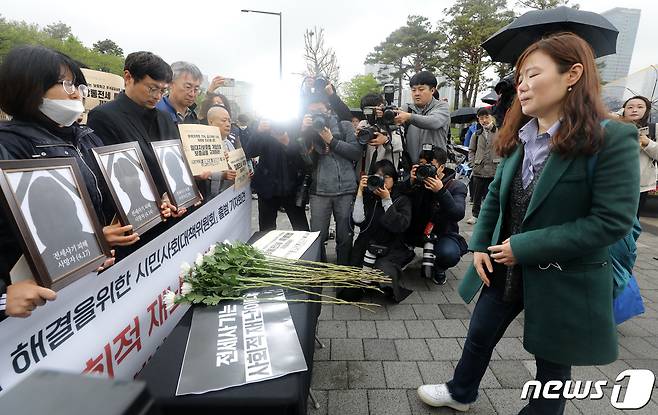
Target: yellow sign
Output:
{"points": [[203, 148]]}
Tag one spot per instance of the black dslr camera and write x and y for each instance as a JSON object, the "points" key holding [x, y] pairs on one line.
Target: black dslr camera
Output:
{"points": [[425, 171], [374, 182]]}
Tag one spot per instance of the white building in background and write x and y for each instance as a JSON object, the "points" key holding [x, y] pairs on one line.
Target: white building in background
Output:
{"points": [[627, 22]]}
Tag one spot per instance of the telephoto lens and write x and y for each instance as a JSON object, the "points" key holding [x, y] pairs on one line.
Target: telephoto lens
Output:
{"points": [[369, 260], [427, 269]]}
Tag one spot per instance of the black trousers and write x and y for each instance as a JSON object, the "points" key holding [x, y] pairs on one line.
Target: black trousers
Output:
{"points": [[269, 208], [480, 190]]}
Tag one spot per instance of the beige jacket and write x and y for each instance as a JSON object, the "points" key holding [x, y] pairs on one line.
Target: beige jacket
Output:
{"points": [[648, 169]]}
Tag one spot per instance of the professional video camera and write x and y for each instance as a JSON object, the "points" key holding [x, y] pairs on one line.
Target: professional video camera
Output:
{"points": [[376, 123]]}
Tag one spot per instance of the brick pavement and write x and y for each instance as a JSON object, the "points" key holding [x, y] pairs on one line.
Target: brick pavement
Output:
{"points": [[373, 362]]}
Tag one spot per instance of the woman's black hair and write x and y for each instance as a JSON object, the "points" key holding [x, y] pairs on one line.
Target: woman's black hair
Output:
{"points": [[644, 121], [26, 73], [387, 168]]}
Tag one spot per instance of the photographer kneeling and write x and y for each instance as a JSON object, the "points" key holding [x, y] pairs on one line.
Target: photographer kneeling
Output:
{"points": [[436, 229], [382, 214]]}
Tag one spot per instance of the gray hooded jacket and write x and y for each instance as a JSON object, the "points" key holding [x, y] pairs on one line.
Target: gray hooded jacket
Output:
{"points": [[428, 125]]}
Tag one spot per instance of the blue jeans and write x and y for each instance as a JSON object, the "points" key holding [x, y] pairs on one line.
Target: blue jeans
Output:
{"points": [[341, 206], [447, 253], [489, 321]]}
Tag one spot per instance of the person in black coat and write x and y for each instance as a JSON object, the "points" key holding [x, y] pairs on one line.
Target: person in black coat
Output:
{"points": [[446, 197], [382, 214], [43, 91], [277, 177], [132, 116]]}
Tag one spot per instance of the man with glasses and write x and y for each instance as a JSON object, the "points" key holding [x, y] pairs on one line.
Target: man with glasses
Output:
{"points": [[180, 104], [132, 116]]}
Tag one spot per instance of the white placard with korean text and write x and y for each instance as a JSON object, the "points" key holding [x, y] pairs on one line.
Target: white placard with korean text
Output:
{"points": [[286, 244], [204, 148], [110, 324], [238, 162]]}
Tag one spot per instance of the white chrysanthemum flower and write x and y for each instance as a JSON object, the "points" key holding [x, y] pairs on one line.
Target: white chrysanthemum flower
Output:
{"points": [[185, 268], [186, 288], [170, 299], [199, 260]]}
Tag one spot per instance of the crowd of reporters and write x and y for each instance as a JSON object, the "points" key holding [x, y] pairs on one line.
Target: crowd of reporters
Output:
{"points": [[367, 177]]}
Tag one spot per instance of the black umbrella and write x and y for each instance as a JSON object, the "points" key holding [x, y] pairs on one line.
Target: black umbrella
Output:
{"points": [[491, 98], [463, 115], [507, 44]]}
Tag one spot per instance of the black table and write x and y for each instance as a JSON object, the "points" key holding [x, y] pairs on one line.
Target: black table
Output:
{"points": [[285, 395]]}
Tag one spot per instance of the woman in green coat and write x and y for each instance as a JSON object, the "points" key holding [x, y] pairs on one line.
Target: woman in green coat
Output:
{"points": [[566, 189]]}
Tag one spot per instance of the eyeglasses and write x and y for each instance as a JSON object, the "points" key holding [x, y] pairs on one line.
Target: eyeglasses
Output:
{"points": [[70, 88], [191, 88], [156, 92]]}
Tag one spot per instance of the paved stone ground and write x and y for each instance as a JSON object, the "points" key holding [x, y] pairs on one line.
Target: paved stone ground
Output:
{"points": [[372, 363]]}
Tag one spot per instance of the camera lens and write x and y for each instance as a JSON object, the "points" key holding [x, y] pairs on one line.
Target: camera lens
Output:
{"points": [[319, 123], [369, 260], [424, 171], [375, 182], [428, 260]]}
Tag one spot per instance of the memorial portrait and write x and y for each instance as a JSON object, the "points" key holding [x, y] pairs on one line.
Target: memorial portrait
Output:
{"points": [[131, 185], [52, 213], [179, 180]]}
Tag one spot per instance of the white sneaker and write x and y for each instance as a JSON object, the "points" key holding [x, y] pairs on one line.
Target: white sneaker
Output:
{"points": [[472, 221], [438, 395]]}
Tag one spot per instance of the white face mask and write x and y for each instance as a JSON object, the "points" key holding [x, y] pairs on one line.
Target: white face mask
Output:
{"points": [[62, 111]]}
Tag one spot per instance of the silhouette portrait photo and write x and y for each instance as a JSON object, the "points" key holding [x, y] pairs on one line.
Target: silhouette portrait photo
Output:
{"points": [[179, 181], [138, 208], [59, 223]]}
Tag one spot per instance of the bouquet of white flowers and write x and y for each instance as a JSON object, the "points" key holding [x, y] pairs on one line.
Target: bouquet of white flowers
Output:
{"points": [[227, 271]]}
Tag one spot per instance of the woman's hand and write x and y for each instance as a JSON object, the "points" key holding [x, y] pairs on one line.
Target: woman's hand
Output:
{"points": [[23, 297], [644, 140], [168, 210], [503, 254], [383, 193], [480, 261], [413, 173], [362, 184], [115, 235], [108, 262]]}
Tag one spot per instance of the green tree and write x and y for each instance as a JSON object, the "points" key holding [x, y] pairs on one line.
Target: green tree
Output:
{"points": [[59, 30], [13, 34], [357, 87], [108, 47], [468, 23], [545, 4], [408, 50]]}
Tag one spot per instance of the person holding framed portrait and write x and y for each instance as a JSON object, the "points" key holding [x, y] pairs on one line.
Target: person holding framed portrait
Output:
{"points": [[43, 91]]}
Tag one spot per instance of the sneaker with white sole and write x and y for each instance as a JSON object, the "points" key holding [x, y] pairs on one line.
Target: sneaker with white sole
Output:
{"points": [[472, 221], [439, 395]]}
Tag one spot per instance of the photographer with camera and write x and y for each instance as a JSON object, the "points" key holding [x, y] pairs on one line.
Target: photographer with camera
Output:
{"points": [[277, 176], [329, 152], [382, 214], [427, 120], [433, 185], [378, 134], [312, 85]]}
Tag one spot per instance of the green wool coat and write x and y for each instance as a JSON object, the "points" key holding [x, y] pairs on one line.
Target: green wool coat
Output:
{"points": [[568, 312]]}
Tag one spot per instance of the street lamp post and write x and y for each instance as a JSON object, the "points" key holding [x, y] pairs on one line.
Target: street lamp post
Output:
{"points": [[280, 35]]}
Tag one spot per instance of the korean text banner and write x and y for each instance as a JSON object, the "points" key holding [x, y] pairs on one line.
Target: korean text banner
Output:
{"points": [[110, 324]]}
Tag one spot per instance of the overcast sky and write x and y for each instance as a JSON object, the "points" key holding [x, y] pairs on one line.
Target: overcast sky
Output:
{"points": [[221, 40]]}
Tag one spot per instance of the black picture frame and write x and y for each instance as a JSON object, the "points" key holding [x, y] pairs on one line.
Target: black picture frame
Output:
{"points": [[191, 196], [127, 218], [22, 195]]}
